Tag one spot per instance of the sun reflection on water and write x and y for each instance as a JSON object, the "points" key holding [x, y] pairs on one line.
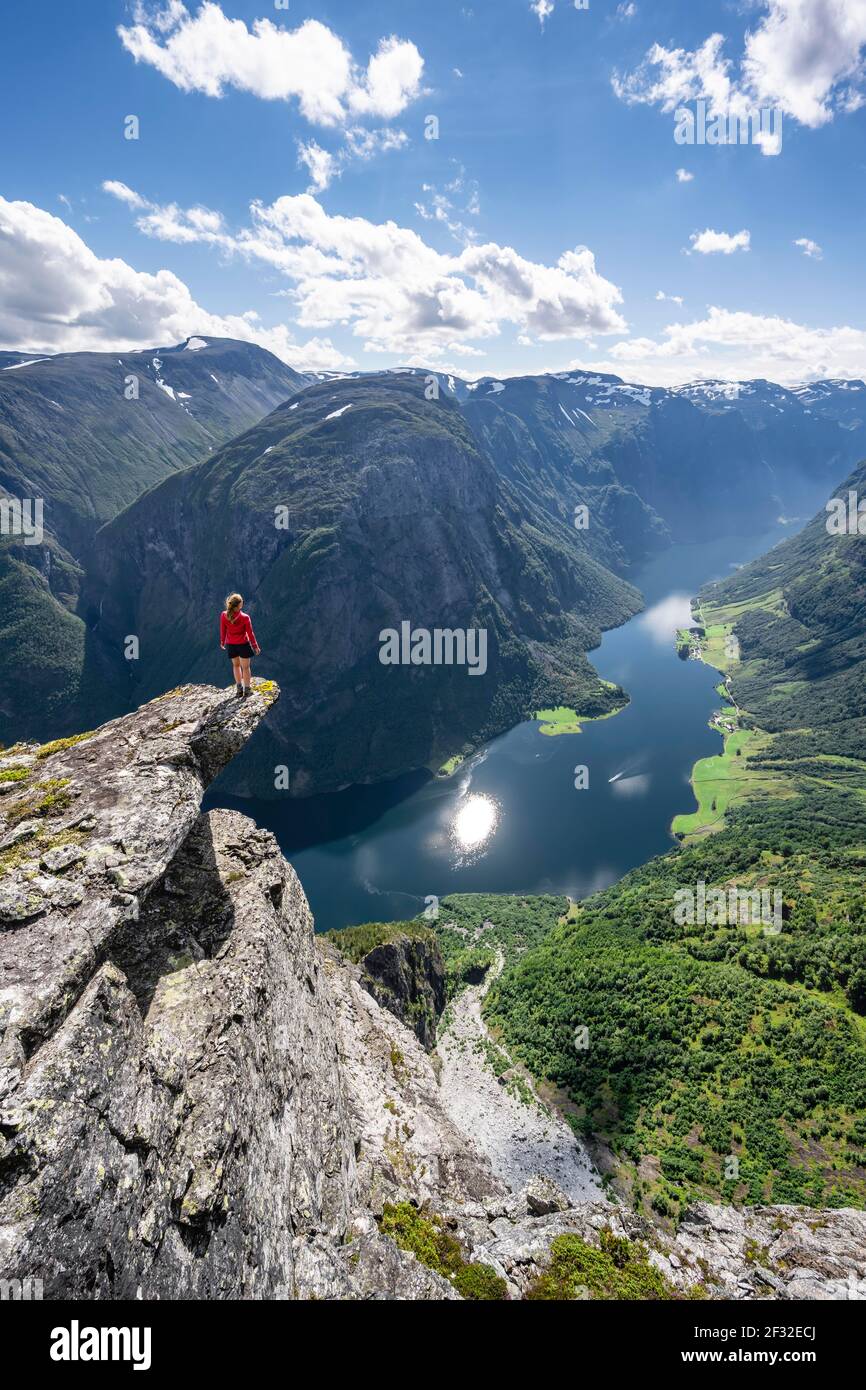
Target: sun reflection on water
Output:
{"points": [[475, 823]]}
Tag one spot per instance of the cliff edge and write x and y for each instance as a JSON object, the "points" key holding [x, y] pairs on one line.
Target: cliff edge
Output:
{"points": [[199, 1099]]}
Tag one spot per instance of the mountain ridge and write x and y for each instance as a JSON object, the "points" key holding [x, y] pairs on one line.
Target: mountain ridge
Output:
{"points": [[559, 444]]}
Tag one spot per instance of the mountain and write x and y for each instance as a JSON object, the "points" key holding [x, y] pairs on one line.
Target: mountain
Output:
{"points": [[653, 462], [70, 437], [801, 625], [202, 1100], [69, 434], [726, 1054], [393, 515], [643, 464], [555, 446]]}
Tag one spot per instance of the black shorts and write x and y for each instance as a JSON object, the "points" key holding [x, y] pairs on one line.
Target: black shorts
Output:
{"points": [[236, 649]]}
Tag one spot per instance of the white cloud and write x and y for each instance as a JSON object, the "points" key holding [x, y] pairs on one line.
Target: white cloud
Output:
{"points": [[567, 300], [170, 222], [464, 350], [362, 143], [542, 8], [671, 298], [737, 346], [683, 176], [392, 81], [321, 164], [626, 11], [809, 247], [667, 77], [125, 194], [804, 59], [57, 295], [359, 144], [395, 292], [852, 101], [709, 243], [460, 199], [209, 52]]}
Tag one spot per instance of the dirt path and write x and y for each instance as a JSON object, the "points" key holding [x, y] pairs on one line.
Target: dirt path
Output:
{"points": [[519, 1134]]}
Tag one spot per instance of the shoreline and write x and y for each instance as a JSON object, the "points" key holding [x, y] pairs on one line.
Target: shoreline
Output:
{"points": [[561, 719], [721, 780]]}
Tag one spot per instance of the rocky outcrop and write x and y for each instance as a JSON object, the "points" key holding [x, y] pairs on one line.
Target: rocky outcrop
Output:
{"points": [[176, 1114], [171, 1113], [198, 1099], [407, 977], [725, 1252], [85, 835], [185, 1127]]}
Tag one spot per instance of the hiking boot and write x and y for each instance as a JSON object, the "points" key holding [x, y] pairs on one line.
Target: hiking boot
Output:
{"points": [[248, 690], [239, 692]]}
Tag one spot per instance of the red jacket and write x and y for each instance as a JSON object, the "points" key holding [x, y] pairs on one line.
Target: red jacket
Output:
{"points": [[236, 631]]}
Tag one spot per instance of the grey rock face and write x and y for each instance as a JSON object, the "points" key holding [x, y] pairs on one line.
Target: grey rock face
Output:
{"points": [[57, 860], [777, 1252], [200, 1100], [407, 977], [543, 1196], [127, 798], [379, 1270], [176, 1118], [734, 1253], [173, 1118]]}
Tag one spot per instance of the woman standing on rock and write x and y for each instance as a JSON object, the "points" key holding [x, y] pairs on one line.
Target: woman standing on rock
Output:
{"points": [[238, 639]]}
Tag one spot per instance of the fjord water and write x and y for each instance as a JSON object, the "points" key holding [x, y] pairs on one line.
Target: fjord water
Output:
{"points": [[511, 819]]}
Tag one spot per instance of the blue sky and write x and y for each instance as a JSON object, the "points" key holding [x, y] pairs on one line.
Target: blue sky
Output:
{"points": [[535, 233]]}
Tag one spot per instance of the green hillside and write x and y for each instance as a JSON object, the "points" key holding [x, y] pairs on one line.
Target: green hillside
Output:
{"points": [[69, 432]]}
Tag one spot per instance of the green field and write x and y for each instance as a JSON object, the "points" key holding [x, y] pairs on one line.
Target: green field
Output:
{"points": [[558, 721], [726, 780], [563, 720], [450, 766]]}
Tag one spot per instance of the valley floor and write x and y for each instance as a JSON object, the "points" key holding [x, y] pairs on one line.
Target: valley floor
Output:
{"points": [[490, 1098]]}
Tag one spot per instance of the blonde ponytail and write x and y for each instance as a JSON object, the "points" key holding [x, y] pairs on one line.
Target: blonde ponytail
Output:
{"points": [[234, 604]]}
